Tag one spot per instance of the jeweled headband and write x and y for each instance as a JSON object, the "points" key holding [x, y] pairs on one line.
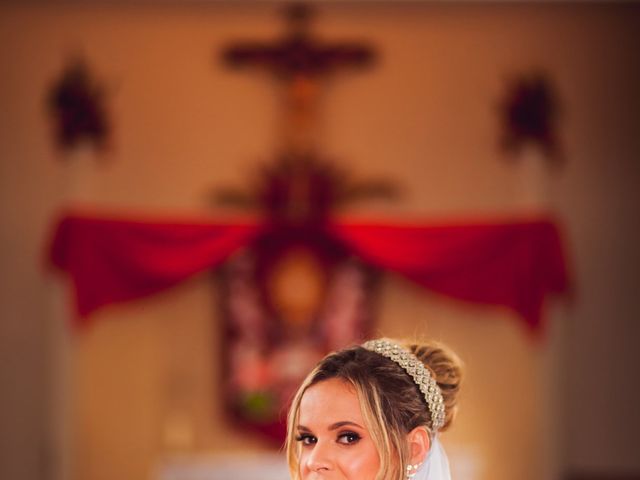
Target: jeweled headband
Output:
{"points": [[418, 372]]}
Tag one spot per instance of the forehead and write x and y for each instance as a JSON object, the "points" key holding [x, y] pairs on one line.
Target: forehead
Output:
{"points": [[328, 402]]}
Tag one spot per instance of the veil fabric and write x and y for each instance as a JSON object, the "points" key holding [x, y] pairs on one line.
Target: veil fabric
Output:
{"points": [[436, 466]]}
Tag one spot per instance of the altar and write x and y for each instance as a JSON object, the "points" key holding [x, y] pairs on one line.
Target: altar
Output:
{"points": [[269, 466]]}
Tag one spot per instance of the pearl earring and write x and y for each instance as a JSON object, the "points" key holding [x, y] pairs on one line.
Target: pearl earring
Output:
{"points": [[412, 470]]}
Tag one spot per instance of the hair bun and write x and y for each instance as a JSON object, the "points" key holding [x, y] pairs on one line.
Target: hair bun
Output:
{"points": [[446, 368]]}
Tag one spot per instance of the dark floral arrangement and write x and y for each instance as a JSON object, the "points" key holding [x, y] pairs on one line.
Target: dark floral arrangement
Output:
{"points": [[76, 103], [529, 114]]}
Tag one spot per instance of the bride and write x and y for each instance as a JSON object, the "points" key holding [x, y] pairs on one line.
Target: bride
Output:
{"points": [[375, 412]]}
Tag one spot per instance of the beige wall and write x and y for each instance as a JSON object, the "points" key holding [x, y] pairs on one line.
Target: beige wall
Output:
{"points": [[97, 405]]}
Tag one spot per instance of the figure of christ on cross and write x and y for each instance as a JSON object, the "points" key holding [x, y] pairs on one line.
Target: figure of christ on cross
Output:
{"points": [[301, 64], [300, 186]]}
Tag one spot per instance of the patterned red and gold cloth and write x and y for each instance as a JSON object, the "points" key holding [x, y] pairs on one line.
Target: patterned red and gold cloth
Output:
{"points": [[515, 264]]}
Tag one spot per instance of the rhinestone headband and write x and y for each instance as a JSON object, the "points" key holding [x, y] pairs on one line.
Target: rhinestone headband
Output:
{"points": [[418, 372]]}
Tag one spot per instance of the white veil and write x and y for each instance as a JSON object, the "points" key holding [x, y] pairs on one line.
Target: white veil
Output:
{"points": [[436, 466]]}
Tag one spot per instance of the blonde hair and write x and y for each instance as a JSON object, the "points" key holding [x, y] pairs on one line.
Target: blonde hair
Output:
{"points": [[390, 401]]}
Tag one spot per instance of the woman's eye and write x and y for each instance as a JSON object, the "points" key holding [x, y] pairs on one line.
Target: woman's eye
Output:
{"points": [[348, 438], [306, 439]]}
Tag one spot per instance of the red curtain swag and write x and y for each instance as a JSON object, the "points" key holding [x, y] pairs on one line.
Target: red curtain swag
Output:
{"points": [[515, 265], [114, 260], [512, 264]]}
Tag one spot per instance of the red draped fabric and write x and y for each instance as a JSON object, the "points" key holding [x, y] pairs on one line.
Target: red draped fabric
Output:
{"points": [[114, 260], [512, 264]]}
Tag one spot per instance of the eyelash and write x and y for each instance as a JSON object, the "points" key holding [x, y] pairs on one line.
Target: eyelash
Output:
{"points": [[350, 437], [306, 439], [354, 438]]}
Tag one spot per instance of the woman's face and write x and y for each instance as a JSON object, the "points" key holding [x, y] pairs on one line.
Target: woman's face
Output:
{"points": [[335, 445]]}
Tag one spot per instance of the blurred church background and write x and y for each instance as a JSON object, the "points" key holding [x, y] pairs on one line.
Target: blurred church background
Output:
{"points": [[136, 391]]}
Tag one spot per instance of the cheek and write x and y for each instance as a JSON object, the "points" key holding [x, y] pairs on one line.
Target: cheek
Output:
{"points": [[362, 464], [350, 463]]}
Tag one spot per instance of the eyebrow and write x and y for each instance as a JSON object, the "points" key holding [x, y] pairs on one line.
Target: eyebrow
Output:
{"points": [[333, 426]]}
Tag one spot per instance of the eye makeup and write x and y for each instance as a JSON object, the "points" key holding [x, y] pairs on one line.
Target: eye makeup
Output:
{"points": [[306, 439], [348, 438], [344, 438]]}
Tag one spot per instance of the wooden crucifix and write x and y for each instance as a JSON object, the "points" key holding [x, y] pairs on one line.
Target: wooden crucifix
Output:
{"points": [[301, 63]]}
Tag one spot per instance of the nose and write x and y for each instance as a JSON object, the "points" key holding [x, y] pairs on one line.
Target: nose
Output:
{"points": [[319, 459]]}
